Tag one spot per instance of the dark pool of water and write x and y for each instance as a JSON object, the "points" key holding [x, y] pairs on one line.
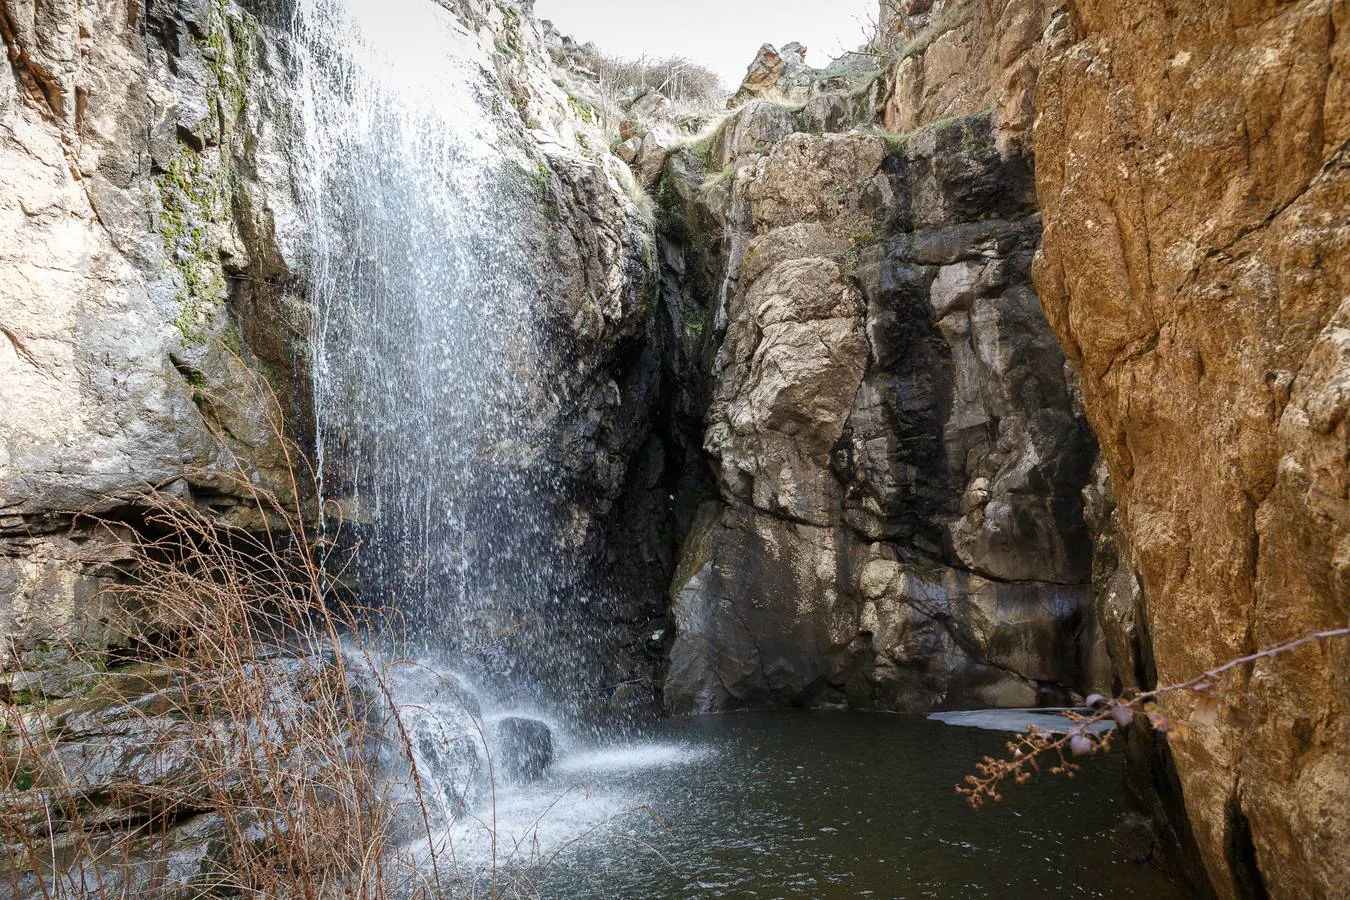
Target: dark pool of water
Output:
{"points": [[829, 805]]}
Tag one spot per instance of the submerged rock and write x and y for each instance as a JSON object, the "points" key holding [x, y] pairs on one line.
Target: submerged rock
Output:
{"points": [[523, 748]]}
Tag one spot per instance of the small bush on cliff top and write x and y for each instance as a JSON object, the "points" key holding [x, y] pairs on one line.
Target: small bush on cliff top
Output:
{"points": [[678, 78]]}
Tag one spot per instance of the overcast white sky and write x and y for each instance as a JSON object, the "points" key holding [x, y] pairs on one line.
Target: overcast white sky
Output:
{"points": [[721, 34]]}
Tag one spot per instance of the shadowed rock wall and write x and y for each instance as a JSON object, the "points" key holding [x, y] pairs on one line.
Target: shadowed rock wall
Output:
{"points": [[891, 426]]}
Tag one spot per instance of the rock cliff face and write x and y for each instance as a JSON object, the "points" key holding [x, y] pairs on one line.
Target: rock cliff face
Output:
{"points": [[835, 293], [870, 482], [153, 299], [154, 286], [897, 454], [1191, 167], [957, 57], [142, 297]]}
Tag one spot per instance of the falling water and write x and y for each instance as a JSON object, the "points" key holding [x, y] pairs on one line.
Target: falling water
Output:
{"points": [[424, 348], [426, 364]]}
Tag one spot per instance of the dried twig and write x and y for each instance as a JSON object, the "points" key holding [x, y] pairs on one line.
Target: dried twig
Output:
{"points": [[1027, 751]]}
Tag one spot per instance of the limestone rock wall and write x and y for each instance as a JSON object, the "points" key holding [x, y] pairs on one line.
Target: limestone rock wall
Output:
{"points": [[958, 57], [1191, 168], [138, 240], [896, 520]]}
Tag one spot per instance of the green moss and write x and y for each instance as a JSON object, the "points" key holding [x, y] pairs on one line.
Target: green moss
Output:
{"points": [[228, 48], [894, 142], [850, 261], [694, 319], [232, 339], [542, 180], [583, 110], [704, 150], [511, 41], [192, 195], [24, 779], [28, 697], [670, 207]]}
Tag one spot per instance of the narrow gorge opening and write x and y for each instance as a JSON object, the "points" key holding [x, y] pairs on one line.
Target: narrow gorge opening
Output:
{"points": [[441, 456]]}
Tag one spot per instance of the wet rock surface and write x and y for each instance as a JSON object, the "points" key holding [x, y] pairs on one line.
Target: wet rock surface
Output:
{"points": [[153, 298], [524, 748], [898, 457]]}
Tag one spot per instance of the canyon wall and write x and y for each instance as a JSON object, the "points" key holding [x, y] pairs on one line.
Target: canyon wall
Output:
{"points": [[895, 517], [1190, 168], [1191, 165], [871, 482], [156, 325], [144, 293]]}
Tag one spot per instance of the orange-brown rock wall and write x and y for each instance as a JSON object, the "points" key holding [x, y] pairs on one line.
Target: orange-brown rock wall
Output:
{"points": [[1194, 177]]}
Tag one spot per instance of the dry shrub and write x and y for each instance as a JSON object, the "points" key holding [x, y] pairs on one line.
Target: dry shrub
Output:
{"points": [[677, 77], [239, 729], [228, 739]]}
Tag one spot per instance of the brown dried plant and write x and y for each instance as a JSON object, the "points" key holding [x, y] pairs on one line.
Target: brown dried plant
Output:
{"points": [[231, 684], [1037, 748], [231, 693]]}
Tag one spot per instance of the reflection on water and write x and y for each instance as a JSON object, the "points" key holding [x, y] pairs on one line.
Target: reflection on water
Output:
{"points": [[812, 805]]}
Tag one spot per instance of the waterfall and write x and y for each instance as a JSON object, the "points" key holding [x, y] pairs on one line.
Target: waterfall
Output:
{"points": [[424, 351]]}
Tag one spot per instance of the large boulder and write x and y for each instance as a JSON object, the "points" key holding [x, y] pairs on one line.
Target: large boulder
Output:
{"points": [[784, 77]]}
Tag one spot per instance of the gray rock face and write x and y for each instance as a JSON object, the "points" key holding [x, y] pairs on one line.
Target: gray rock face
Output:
{"points": [[524, 748], [145, 744], [152, 293], [139, 229], [892, 428]]}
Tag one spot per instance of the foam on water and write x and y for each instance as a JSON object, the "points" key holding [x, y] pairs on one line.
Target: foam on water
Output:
{"points": [[632, 757]]}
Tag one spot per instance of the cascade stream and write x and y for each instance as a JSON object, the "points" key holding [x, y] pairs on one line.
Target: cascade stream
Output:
{"points": [[423, 341]]}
